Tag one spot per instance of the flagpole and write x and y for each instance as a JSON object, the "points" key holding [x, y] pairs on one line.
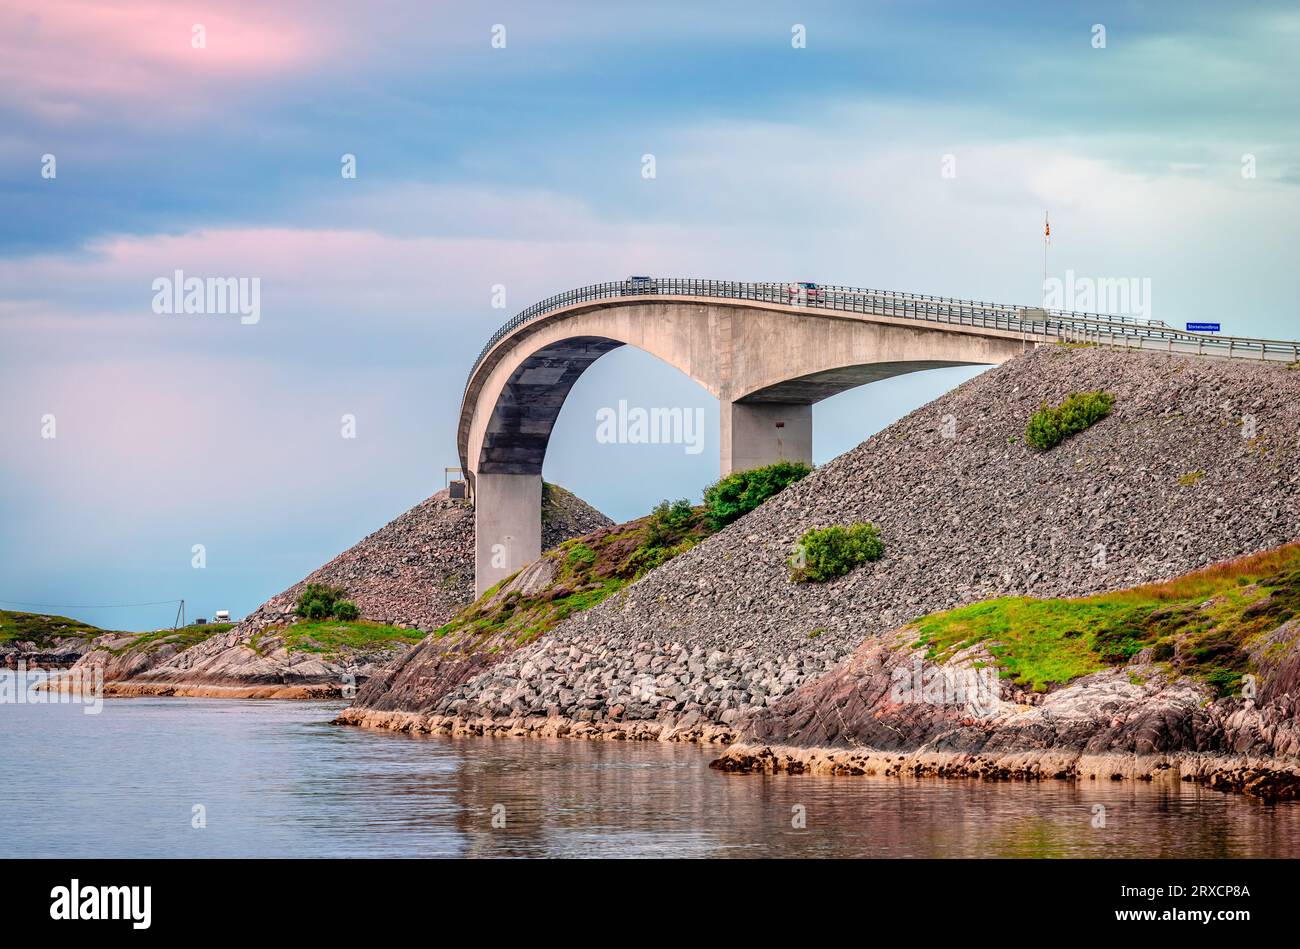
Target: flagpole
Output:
{"points": [[1047, 237]]}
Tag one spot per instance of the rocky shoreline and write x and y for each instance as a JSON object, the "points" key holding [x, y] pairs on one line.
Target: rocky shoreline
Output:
{"points": [[1266, 778], [205, 690], [229, 665], [684, 728], [619, 684]]}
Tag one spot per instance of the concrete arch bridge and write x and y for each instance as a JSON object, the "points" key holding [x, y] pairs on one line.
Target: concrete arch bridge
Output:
{"points": [[767, 351]]}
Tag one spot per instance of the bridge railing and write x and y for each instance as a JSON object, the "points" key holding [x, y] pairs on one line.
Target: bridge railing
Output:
{"points": [[1061, 325]]}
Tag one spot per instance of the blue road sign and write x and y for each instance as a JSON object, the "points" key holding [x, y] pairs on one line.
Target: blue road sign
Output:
{"points": [[1202, 327]]}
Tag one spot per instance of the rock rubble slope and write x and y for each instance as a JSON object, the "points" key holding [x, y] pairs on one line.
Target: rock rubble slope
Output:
{"points": [[1197, 463]]}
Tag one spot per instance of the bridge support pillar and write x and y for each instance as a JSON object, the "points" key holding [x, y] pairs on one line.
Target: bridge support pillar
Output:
{"points": [[507, 526], [759, 433]]}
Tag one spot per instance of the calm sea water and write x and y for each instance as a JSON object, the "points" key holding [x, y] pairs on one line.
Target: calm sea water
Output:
{"points": [[275, 779]]}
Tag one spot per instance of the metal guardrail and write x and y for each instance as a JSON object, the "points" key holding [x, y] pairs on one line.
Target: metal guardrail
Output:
{"points": [[1060, 325]]}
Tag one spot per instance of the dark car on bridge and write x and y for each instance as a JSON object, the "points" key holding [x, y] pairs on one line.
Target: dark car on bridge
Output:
{"points": [[639, 285]]}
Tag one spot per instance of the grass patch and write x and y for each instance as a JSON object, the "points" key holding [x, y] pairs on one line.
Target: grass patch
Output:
{"points": [[336, 636], [580, 555], [1203, 624], [183, 637], [587, 570], [43, 629]]}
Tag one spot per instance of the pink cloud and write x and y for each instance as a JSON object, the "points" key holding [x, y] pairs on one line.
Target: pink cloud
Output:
{"points": [[62, 58], [381, 277]]}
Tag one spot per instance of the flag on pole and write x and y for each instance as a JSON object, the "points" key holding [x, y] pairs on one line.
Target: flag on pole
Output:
{"points": [[1047, 229]]}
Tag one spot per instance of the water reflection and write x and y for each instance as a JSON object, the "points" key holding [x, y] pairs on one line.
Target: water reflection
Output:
{"points": [[275, 779]]}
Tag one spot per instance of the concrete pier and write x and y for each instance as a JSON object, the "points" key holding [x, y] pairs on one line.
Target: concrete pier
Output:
{"points": [[507, 526], [760, 433]]}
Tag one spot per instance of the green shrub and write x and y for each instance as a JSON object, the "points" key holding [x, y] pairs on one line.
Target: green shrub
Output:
{"points": [[318, 601], [1052, 425], [741, 491], [828, 552], [676, 516], [346, 610], [647, 557], [673, 527], [667, 521]]}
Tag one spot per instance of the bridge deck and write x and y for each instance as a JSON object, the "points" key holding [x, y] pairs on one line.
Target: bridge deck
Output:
{"points": [[1036, 323]]}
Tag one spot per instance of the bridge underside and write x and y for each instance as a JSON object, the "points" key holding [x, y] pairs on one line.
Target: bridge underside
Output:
{"points": [[806, 390], [530, 402], [767, 366]]}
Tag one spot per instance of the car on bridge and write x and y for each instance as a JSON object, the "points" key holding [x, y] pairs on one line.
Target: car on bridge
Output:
{"points": [[639, 285], [803, 291]]}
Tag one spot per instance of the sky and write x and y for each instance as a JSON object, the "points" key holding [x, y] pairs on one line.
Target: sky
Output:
{"points": [[498, 151]]}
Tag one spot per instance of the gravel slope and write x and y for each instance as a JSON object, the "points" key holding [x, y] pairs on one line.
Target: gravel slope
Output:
{"points": [[967, 512]]}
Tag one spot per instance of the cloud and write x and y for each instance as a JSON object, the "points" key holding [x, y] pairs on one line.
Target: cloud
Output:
{"points": [[521, 167], [63, 60], [315, 282]]}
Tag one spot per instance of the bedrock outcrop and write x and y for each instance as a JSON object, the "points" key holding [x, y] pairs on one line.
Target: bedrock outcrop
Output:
{"points": [[890, 711]]}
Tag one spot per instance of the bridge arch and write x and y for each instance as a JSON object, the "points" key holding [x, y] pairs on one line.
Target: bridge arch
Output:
{"points": [[766, 362]]}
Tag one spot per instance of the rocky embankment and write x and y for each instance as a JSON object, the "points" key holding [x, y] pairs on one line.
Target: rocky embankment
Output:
{"points": [[414, 573], [1196, 463], [413, 691], [1211, 692]]}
